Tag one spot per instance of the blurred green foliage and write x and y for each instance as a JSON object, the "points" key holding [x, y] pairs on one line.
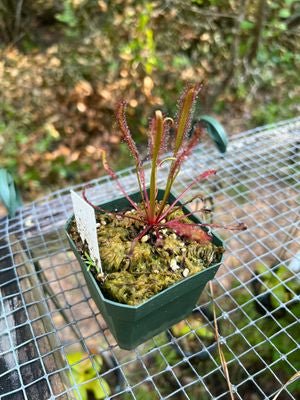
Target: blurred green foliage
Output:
{"points": [[64, 64]]}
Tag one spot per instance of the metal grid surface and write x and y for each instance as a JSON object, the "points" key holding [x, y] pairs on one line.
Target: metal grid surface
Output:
{"points": [[45, 306]]}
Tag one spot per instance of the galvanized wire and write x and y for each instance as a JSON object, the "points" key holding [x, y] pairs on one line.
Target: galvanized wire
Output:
{"points": [[258, 183]]}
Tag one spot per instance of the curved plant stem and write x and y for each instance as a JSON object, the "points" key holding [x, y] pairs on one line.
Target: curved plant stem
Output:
{"points": [[292, 379]]}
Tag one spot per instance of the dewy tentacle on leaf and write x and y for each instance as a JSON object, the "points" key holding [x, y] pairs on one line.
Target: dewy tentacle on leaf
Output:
{"points": [[185, 114], [121, 119], [115, 177]]}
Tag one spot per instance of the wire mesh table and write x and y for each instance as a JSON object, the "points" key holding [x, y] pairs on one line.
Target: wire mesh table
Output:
{"points": [[46, 311]]}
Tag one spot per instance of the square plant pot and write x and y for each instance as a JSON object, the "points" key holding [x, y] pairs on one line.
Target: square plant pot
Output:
{"points": [[133, 325]]}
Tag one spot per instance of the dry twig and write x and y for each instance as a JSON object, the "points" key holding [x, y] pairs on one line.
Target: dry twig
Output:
{"points": [[220, 351]]}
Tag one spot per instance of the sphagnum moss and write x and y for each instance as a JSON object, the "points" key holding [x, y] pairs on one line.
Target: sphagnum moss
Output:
{"points": [[153, 265]]}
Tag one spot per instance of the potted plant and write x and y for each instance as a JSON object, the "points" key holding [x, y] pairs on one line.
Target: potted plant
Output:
{"points": [[156, 254]]}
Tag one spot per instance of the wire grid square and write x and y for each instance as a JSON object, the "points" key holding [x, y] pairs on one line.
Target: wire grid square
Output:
{"points": [[258, 185]]}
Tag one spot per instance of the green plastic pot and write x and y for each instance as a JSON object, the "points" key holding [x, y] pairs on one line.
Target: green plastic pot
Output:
{"points": [[133, 325]]}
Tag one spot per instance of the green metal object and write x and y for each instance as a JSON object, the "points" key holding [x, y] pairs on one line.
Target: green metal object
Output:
{"points": [[216, 132], [132, 325], [9, 194]]}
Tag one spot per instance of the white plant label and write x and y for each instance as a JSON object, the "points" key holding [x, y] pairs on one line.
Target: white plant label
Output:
{"points": [[86, 224]]}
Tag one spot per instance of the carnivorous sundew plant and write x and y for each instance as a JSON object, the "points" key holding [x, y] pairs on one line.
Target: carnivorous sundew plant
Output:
{"points": [[154, 242]]}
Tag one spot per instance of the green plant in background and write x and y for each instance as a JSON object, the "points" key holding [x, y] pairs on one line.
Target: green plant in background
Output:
{"points": [[273, 285], [83, 370], [67, 15], [193, 327], [274, 336], [71, 16], [141, 49]]}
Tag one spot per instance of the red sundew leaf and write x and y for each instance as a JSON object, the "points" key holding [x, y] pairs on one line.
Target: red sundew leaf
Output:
{"points": [[205, 175], [185, 113], [121, 119], [189, 231], [187, 149], [168, 123], [114, 176]]}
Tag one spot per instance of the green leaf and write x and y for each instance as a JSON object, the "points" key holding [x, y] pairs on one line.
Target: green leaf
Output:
{"points": [[83, 393], [284, 13], [204, 332], [99, 387], [83, 367], [246, 25], [261, 268], [68, 16], [280, 294]]}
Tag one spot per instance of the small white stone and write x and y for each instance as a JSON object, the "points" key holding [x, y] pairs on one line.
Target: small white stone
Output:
{"points": [[185, 272], [163, 221], [28, 222], [101, 277], [164, 231], [183, 249], [145, 238], [98, 224], [103, 222], [173, 265]]}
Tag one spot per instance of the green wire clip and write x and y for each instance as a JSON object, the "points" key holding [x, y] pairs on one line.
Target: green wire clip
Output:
{"points": [[216, 132], [9, 194]]}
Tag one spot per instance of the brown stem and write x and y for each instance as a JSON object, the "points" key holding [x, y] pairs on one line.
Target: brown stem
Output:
{"points": [[257, 33]]}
